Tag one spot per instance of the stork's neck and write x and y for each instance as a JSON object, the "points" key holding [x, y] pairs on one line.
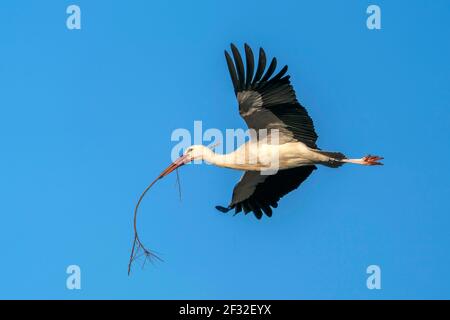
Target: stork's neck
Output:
{"points": [[217, 159], [232, 160]]}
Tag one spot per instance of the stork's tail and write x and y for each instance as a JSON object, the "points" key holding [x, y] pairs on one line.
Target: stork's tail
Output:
{"points": [[335, 158]]}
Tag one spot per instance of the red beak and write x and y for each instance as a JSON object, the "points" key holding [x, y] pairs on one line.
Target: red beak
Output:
{"points": [[181, 161]]}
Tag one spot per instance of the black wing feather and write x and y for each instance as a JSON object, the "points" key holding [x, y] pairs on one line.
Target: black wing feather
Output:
{"points": [[261, 66], [239, 67], [250, 62], [270, 70], [279, 74], [258, 193], [232, 71], [270, 102]]}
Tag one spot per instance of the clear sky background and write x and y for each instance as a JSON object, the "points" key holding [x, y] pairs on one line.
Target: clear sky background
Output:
{"points": [[85, 124]]}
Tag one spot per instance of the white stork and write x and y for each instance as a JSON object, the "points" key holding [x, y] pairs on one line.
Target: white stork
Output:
{"points": [[269, 103]]}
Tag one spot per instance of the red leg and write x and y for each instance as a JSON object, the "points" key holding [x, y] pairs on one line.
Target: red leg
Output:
{"points": [[370, 160]]}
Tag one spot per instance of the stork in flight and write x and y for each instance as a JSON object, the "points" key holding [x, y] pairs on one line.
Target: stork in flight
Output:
{"points": [[268, 102]]}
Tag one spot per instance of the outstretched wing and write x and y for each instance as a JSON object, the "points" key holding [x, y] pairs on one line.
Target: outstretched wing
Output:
{"points": [[259, 193], [266, 101]]}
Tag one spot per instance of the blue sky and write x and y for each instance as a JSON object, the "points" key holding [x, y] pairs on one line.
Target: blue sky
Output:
{"points": [[86, 119]]}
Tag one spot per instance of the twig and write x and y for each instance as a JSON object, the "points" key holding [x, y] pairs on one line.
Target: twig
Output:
{"points": [[179, 185], [137, 244]]}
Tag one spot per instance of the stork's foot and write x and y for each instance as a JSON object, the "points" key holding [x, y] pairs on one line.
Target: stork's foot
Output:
{"points": [[370, 160]]}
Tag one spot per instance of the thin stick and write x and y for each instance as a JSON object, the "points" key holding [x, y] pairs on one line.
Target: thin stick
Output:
{"points": [[179, 185], [137, 242]]}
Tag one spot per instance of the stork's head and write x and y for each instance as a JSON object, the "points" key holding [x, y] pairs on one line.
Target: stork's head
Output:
{"points": [[195, 152]]}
